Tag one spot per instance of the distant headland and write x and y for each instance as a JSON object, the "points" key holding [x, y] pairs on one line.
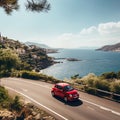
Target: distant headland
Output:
{"points": [[114, 48]]}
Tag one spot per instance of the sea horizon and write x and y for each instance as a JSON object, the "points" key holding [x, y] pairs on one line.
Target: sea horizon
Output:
{"points": [[90, 61]]}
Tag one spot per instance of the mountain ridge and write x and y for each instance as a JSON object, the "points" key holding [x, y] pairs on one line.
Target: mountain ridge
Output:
{"points": [[44, 46], [37, 44]]}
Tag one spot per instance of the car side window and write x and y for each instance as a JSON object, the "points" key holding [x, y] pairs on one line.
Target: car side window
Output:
{"points": [[59, 87], [56, 86], [68, 88], [65, 88]]}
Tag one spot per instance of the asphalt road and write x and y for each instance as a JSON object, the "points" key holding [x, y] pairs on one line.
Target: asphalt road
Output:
{"points": [[89, 107]]}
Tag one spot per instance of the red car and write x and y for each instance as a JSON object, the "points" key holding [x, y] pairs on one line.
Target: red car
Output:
{"points": [[65, 91]]}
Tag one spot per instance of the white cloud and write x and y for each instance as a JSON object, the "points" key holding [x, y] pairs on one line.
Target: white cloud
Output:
{"points": [[109, 28], [89, 30], [94, 36], [65, 36]]}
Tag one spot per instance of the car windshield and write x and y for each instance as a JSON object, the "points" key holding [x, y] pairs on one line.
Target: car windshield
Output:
{"points": [[68, 88]]}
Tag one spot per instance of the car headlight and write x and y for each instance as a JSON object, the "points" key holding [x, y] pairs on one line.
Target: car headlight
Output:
{"points": [[70, 95]]}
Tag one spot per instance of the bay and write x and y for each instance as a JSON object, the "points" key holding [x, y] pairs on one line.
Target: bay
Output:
{"points": [[91, 61]]}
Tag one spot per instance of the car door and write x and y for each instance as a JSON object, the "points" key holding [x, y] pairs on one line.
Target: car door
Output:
{"points": [[59, 91]]}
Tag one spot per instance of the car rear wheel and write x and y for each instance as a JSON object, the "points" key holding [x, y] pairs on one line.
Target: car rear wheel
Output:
{"points": [[53, 93]]}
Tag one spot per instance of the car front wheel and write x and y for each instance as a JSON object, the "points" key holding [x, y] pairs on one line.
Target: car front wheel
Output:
{"points": [[65, 99]]}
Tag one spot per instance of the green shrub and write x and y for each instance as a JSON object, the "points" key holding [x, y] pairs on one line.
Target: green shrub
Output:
{"points": [[38, 76], [89, 79], [90, 90], [16, 104], [118, 75], [93, 81], [115, 86], [109, 75], [30, 75], [3, 94], [102, 84], [8, 60], [4, 98], [7, 102], [78, 81]]}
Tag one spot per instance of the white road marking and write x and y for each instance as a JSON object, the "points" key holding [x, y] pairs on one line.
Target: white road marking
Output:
{"points": [[104, 108], [101, 107], [38, 103], [115, 112]]}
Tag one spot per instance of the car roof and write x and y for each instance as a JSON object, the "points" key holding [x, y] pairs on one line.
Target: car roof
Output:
{"points": [[62, 84]]}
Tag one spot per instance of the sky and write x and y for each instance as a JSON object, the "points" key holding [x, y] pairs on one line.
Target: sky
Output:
{"points": [[69, 24]]}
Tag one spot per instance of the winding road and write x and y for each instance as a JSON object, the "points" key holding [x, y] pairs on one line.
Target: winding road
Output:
{"points": [[89, 107]]}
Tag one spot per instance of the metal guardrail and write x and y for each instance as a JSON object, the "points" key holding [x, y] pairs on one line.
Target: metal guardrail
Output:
{"points": [[111, 93], [98, 92]]}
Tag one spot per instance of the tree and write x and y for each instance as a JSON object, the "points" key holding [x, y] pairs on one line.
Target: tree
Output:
{"points": [[31, 5], [8, 61]]}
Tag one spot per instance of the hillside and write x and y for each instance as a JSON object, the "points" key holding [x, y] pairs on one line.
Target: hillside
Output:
{"points": [[115, 48], [34, 56]]}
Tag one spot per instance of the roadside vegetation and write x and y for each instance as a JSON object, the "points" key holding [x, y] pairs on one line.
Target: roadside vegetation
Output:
{"points": [[106, 85], [14, 108], [11, 65], [107, 81], [8, 102]]}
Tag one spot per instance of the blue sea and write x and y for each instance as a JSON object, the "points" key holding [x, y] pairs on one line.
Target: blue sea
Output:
{"points": [[92, 61]]}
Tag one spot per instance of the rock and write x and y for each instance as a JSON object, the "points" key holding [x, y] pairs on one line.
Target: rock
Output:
{"points": [[48, 118], [6, 115], [72, 59], [30, 117], [34, 113], [28, 112], [38, 116]]}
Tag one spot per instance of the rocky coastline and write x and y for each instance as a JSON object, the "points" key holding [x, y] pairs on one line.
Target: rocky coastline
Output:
{"points": [[34, 56]]}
